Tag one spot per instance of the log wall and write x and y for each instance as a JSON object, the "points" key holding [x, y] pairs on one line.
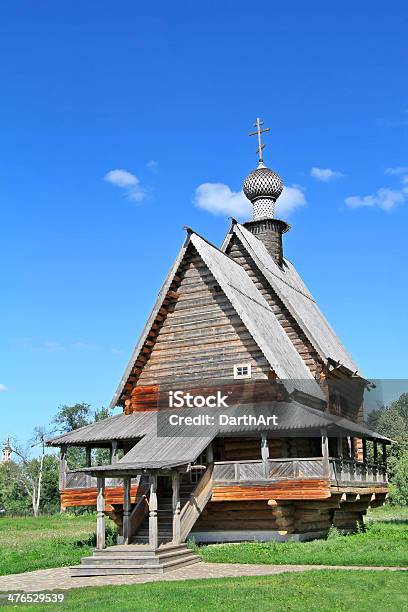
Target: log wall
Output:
{"points": [[198, 341]]}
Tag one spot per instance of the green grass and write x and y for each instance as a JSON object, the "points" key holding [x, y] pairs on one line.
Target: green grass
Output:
{"points": [[385, 542], [27, 544], [316, 591]]}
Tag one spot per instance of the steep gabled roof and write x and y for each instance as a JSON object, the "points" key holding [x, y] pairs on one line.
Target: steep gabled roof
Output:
{"points": [[259, 318], [290, 288], [254, 311]]}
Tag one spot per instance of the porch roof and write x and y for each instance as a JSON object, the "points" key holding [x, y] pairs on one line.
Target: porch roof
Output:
{"points": [[165, 446]]}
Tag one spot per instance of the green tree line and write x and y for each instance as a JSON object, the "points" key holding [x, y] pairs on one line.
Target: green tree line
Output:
{"points": [[29, 482]]}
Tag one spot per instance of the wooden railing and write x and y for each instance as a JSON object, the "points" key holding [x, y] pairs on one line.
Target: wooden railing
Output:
{"points": [[79, 480], [297, 469], [196, 503], [141, 508], [348, 471]]}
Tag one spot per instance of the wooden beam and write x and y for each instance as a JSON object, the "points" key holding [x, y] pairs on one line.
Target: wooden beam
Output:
{"points": [[100, 513], [63, 467], [126, 509], [153, 523], [384, 454], [364, 443], [264, 453], [325, 452], [114, 451], [375, 452], [340, 447], [88, 456], [175, 480], [210, 454]]}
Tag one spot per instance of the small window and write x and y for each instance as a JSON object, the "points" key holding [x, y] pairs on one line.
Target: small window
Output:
{"points": [[242, 370]]}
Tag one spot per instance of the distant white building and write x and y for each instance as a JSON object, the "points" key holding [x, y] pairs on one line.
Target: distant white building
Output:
{"points": [[6, 453]]}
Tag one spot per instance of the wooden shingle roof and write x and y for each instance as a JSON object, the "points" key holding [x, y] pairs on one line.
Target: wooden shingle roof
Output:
{"points": [[291, 289]]}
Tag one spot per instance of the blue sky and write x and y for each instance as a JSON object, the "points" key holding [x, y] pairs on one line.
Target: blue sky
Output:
{"points": [[167, 93]]}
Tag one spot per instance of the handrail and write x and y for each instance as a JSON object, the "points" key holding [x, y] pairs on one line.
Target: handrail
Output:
{"points": [[282, 459], [140, 509], [196, 503]]}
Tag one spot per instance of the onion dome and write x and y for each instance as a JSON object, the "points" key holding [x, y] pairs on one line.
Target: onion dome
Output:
{"points": [[263, 187], [263, 183]]}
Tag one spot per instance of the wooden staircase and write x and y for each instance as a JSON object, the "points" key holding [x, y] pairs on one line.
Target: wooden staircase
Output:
{"points": [[138, 557], [135, 559], [165, 517]]}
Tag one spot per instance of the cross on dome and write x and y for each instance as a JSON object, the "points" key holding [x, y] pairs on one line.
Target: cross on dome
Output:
{"points": [[258, 124]]}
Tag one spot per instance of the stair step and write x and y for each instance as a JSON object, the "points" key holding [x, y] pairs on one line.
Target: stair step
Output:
{"points": [[112, 569], [136, 560]]}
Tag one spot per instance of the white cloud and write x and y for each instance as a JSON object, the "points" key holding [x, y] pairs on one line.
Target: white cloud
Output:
{"points": [[219, 199], [384, 198], [128, 182], [3, 388], [153, 165], [325, 174], [397, 171], [291, 198]]}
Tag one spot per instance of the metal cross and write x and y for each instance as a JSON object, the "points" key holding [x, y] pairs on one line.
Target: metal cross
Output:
{"points": [[258, 133]]}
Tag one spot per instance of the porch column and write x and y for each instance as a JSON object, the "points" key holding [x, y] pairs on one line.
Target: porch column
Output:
{"points": [[153, 523], [265, 453], [88, 456], [175, 481], [325, 453], [349, 453], [375, 453], [63, 468], [210, 454], [126, 509], [353, 448], [114, 451], [364, 443], [100, 513], [340, 447], [384, 455]]}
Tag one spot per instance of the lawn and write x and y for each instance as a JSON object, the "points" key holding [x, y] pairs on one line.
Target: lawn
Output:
{"points": [[385, 542], [28, 544], [315, 591]]}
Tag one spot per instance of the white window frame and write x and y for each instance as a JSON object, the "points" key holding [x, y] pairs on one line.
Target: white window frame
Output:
{"points": [[238, 366]]}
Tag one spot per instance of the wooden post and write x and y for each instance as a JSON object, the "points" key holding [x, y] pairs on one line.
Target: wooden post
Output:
{"points": [[175, 481], [325, 453], [210, 454], [100, 513], [126, 509], [88, 456], [353, 448], [364, 443], [384, 455], [153, 523], [114, 451], [349, 448], [375, 453], [265, 453], [63, 468], [340, 447]]}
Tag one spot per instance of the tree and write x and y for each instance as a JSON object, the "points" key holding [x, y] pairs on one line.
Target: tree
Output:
{"points": [[30, 474], [69, 418], [392, 421]]}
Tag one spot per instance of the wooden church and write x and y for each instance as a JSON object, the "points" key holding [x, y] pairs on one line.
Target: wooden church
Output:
{"points": [[292, 456]]}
